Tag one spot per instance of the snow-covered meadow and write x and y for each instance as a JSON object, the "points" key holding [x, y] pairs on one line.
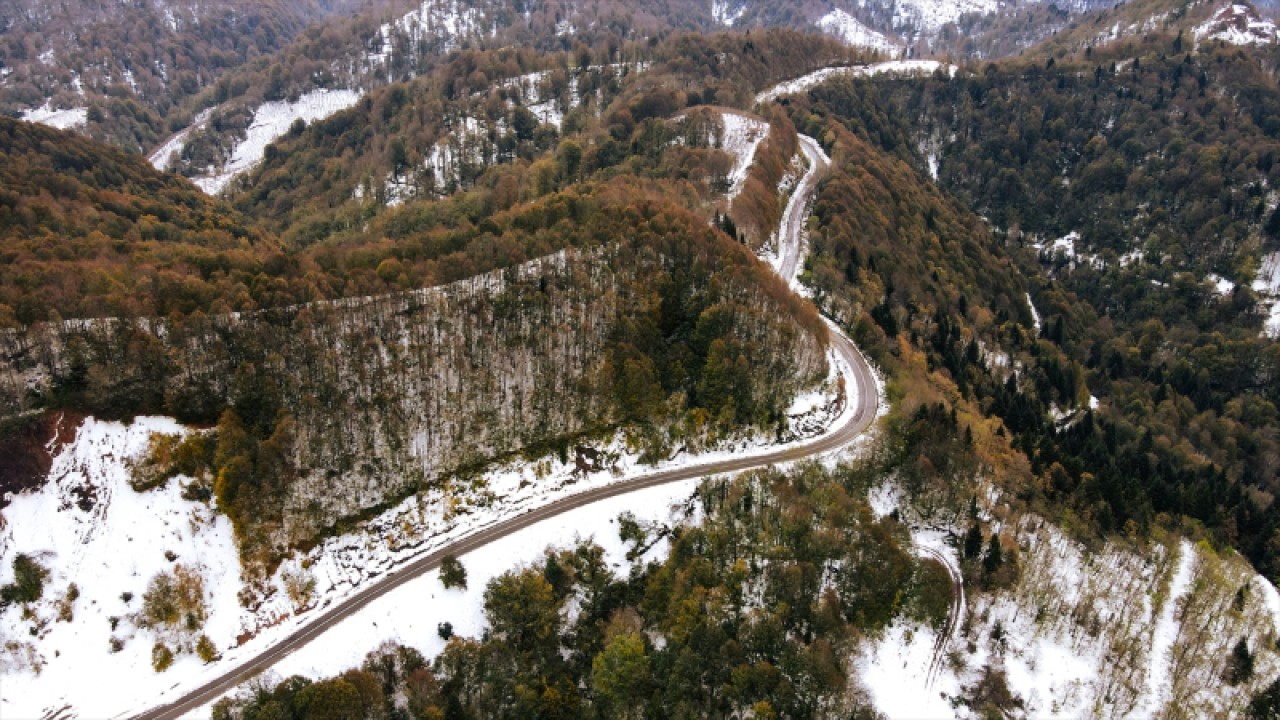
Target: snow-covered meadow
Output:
{"points": [[90, 529]]}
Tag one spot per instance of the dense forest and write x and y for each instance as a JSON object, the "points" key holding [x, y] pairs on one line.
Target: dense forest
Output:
{"points": [[90, 231], [1159, 164]]}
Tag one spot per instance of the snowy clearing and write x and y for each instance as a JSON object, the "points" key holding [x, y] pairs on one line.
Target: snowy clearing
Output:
{"points": [[61, 119], [930, 15], [894, 67], [742, 136], [271, 121], [159, 158], [727, 12], [846, 27]]}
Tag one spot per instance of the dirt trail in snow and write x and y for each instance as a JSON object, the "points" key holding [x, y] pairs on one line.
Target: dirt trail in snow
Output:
{"points": [[791, 242]]}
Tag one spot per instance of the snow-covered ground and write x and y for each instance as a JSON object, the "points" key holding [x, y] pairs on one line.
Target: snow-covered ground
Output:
{"points": [[846, 27], [443, 20], [727, 12], [817, 77], [930, 15], [271, 121], [1158, 682], [1267, 284], [90, 528], [742, 136], [1237, 24], [1066, 249], [124, 538], [61, 119], [1222, 286], [159, 158], [1117, 630], [1035, 314]]}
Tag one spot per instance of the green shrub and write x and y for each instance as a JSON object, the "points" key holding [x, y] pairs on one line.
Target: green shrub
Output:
{"points": [[452, 573], [161, 657], [28, 583]]}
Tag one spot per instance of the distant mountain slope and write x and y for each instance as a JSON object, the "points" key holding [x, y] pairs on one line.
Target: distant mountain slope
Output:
{"points": [[132, 65], [136, 74]]}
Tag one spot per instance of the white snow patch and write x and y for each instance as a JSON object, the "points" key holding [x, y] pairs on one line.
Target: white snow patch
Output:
{"points": [[271, 121], [114, 544], [1221, 285], [159, 158], [894, 671], [1237, 25], [1159, 661], [1035, 315], [742, 137], [846, 27], [446, 20], [1267, 284], [61, 119], [727, 12], [930, 15], [817, 77]]}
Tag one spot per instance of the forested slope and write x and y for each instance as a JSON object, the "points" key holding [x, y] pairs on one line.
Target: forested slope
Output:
{"points": [[595, 307], [1153, 162], [89, 230]]}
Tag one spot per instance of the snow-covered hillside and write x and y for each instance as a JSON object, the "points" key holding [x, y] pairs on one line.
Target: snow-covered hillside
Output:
{"points": [[930, 15], [742, 135], [846, 27], [470, 139], [1121, 629], [435, 22], [83, 644], [271, 121], [727, 12], [1237, 24]]}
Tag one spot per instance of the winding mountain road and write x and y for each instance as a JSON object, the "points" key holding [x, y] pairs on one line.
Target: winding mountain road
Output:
{"points": [[791, 242]]}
